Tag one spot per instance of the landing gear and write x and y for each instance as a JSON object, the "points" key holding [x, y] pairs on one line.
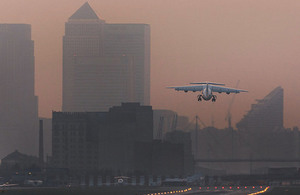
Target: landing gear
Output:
{"points": [[214, 98], [199, 98]]}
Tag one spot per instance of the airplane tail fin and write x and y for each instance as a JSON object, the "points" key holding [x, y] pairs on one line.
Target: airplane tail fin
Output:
{"points": [[209, 83]]}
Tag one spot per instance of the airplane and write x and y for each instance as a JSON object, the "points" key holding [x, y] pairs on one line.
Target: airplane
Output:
{"points": [[207, 89], [5, 185]]}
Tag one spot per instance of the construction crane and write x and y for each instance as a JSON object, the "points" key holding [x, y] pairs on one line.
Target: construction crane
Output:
{"points": [[202, 123], [228, 116], [196, 137]]}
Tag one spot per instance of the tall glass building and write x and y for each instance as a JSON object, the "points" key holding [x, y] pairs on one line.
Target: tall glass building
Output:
{"points": [[104, 64], [18, 103]]}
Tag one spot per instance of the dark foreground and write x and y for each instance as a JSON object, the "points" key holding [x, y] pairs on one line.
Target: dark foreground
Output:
{"points": [[289, 190], [83, 191], [132, 191]]}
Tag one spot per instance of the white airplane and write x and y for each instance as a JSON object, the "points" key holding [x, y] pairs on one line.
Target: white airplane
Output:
{"points": [[7, 185], [207, 89]]}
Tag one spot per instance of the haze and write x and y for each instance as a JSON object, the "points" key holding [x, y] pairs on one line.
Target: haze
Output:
{"points": [[256, 42]]}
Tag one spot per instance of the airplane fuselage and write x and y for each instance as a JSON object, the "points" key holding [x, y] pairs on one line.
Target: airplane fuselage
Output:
{"points": [[207, 94]]}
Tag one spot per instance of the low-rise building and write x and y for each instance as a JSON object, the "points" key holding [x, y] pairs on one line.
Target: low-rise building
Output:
{"points": [[17, 161]]}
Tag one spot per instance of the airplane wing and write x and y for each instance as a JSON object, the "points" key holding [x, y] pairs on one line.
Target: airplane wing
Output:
{"points": [[220, 89], [193, 88]]}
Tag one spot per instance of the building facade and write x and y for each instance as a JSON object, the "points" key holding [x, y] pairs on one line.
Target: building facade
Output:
{"points": [[184, 138], [104, 64], [17, 161], [18, 103], [266, 115], [97, 141]]}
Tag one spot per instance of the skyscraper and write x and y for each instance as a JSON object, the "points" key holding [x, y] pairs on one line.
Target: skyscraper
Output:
{"points": [[18, 103], [104, 64]]}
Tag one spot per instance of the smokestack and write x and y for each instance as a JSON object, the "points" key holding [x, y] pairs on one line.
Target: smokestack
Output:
{"points": [[41, 144]]}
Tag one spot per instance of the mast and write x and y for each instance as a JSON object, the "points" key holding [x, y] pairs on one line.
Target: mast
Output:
{"points": [[196, 137]]}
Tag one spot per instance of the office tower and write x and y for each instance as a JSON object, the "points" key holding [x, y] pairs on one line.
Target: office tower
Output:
{"points": [[104, 64], [266, 115], [18, 104]]}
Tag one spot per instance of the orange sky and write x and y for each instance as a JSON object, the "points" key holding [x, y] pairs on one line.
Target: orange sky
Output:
{"points": [[256, 42]]}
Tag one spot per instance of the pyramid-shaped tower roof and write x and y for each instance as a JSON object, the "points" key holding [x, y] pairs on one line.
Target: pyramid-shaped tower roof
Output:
{"points": [[85, 12]]}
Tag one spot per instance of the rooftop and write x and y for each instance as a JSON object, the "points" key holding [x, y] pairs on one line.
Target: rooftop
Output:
{"points": [[85, 12]]}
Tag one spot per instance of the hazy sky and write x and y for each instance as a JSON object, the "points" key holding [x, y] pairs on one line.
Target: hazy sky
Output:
{"points": [[256, 42]]}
